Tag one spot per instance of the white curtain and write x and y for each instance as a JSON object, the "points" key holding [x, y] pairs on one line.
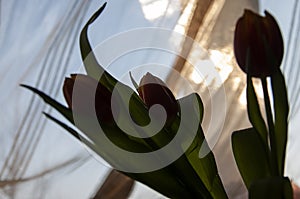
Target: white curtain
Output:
{"points": [[40, 46]]}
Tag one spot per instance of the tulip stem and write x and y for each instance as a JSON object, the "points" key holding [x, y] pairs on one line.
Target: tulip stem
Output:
{"points": [[269, 114]]}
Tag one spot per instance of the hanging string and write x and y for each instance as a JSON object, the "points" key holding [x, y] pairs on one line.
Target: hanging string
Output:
{"points": [[53, 67]]}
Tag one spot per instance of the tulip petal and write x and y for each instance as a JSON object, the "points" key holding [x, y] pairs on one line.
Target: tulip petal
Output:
{"points": [[258, 44], [89, 91], [153, 90]]}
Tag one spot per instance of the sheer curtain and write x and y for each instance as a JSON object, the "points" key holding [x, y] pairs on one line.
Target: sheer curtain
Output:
{"points": [[39, 43], [39, 47], [288, 15], [291, 70]]}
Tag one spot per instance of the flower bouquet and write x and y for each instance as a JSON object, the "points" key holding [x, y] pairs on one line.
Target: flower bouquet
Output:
{"points": [[154, 138]]}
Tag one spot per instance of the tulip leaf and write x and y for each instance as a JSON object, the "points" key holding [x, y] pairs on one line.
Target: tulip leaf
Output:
{"points": [[189, 176], [204, 167], [66, 112], [160, 180], [117, 136], [250, 155], [254, 112], [93, 68], [164, 182], [281, 109], [122, 140], [82, 139], [64, 126], [139, 112], [272, 187], [197, 105]]}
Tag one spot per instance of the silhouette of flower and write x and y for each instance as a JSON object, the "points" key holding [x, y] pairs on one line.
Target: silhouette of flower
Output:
{"points": [[258, 44]]}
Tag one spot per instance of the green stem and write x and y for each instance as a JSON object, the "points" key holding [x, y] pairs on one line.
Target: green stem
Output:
{"points": [[271, 127]]}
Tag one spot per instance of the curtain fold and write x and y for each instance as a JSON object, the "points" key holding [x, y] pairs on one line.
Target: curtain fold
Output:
{"points": [[291, 69]]}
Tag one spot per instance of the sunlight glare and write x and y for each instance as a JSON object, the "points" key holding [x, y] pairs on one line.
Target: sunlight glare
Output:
{"points": [[154, 9], [223, 63]]}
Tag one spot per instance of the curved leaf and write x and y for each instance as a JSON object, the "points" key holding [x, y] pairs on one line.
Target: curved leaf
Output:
{"points": [[250, 155], [273, 187], [254, 113], [92, 67], [281, 109], [205, 167], [66, 112], [161, 180]]}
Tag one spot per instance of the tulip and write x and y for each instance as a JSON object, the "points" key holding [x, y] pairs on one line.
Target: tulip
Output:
{"points": [[258, 44], [84, 85], [153, 90]]}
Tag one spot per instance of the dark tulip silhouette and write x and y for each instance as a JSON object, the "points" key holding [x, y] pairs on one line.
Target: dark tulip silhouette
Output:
{"points": [[153, 90], [258, 44], [85, 85]]}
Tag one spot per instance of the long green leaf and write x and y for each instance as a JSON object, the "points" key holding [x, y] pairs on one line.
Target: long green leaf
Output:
{"points": [[189, 176], [250, 155], [254, 112], [205, 167], [163, 182], [66, 112], [272, 187], [64, 126], [82, 139], [281, 109], [93, 68], [160, 180]]}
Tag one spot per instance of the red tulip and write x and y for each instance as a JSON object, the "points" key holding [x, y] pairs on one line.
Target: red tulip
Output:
{"points": [[84, 86], [152, 91], [258, 44]]}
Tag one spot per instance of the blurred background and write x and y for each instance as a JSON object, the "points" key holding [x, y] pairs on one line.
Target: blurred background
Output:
{"points": [[39, 46]]}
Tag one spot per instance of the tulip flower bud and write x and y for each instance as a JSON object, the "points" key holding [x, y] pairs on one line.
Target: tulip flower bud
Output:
{"points": [[84, 85], [152, 91], [258, 44]]}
